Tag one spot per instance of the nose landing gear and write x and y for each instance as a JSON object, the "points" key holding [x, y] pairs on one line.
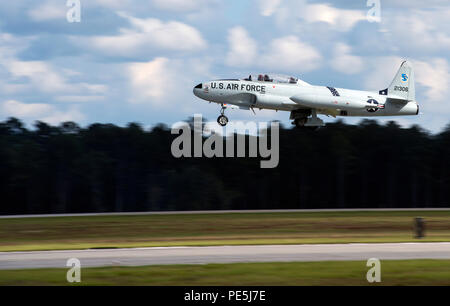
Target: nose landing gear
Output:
{"points": [[222, 119]]}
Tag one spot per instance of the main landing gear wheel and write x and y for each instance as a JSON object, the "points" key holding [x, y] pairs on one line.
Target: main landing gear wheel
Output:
{"points": [[222, 120], [300, 122]]}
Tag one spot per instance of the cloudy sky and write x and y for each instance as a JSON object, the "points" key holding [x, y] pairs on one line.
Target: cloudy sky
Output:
{"points": [[137, 60]]}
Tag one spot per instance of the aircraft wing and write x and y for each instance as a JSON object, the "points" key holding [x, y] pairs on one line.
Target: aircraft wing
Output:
{"points": [[329, 112]]}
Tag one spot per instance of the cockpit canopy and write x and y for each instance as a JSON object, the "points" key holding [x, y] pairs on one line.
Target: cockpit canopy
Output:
{"points": [[274, 78]]}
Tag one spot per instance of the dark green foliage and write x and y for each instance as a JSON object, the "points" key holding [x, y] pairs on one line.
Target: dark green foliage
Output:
{"points": [[108, 168]]}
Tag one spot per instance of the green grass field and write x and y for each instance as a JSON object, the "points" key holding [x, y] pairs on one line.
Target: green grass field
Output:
{"points": [[24, 234], [401, 272]]}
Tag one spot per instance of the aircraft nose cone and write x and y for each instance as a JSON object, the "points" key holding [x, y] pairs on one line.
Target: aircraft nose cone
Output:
{"points": [[197, 89]]}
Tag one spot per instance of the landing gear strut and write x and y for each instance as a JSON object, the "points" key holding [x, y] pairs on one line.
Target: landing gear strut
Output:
{"points": [[222, 119]]}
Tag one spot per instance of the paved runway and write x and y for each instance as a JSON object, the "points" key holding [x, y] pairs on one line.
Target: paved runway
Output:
{"points": [[224, 254], [194, 212]]}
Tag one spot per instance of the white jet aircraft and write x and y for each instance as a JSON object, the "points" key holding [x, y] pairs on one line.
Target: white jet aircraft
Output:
{"points": [[305, 101]]}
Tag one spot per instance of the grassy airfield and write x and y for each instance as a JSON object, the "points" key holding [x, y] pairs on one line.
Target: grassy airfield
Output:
{"points": [[394, 272], [116, 231]]}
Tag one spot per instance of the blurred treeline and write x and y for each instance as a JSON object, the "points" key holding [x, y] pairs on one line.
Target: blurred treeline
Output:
{"points": [[104, 167]]}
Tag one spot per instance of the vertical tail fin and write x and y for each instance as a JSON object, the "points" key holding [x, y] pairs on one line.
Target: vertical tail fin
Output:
{"points": [[402, 85]]}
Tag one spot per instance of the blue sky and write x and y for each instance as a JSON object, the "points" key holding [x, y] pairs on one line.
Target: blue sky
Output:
{"points": [[130, 60]]}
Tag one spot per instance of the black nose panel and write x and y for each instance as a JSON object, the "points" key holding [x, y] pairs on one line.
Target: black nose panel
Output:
{"points": [[199, 86]]}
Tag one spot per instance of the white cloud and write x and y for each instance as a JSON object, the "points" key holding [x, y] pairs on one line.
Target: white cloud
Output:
{"points": [[419, 30], [18, 76], [56, 116], [293, 14], [164, 84], [286, 53], [435, 76], [180, 5], [146, 35], [10, 45], [112, 4], [415, 4], [339, 19], [151, 81], [41, 76], [38, 111], [290, 54], [39, 73], [343, 61], [11, 88], [243, 49], [77, 99], [21, 110], [48, 11], [268, 7]]}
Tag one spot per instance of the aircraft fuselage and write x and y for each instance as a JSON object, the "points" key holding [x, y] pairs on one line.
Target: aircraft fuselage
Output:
{"points": [[288, 97], [285, 93]]}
